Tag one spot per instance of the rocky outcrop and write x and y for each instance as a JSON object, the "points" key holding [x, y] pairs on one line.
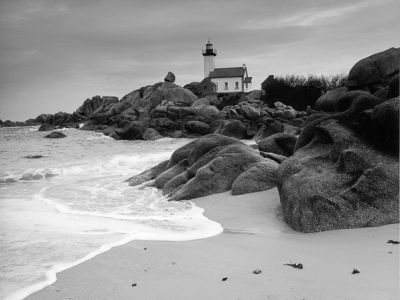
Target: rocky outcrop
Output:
{"points": [[9, 123], [60, 119], [212, 164], [338, 181], [375, 72], [154, 106], [90, 106], [344, 172], [166, 109]]}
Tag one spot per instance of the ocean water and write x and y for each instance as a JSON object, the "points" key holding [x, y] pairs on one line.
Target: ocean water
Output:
{"points": [[73, 204]]}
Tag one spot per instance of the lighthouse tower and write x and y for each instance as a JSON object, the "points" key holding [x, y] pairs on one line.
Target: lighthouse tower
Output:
{"points": [[209, 58]]}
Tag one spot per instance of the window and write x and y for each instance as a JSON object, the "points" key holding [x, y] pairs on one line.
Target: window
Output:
{"points": [[226, 85], [247, 85], [237, 85], [216, 86]]}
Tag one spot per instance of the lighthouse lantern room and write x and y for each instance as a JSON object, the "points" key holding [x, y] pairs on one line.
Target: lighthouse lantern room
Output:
{"points": [[209, 58]]}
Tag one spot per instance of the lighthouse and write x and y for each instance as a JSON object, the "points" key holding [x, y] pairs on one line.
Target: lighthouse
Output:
{"points": [[223, 80], [209, 58]]}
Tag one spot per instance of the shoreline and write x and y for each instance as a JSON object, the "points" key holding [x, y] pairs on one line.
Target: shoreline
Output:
{"points": [[254, 237], [51, 275]]}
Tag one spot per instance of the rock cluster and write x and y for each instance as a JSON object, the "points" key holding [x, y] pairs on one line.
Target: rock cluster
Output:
{"points": [[336, 164], [166, 109], [344, 172], [211, 164], [336, 167]]}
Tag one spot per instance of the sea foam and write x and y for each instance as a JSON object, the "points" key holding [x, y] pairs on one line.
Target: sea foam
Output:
{"points": [[61, 211]]}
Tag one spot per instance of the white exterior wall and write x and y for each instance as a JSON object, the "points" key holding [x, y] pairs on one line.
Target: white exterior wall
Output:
{"points": [[248, 89], [231, 84], [209, 64]]}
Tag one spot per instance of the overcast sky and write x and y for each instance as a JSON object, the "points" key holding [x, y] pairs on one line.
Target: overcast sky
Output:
{"points": [[55, 54]]}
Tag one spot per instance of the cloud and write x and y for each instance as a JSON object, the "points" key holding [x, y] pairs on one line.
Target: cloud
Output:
{"points": [[313, 16], [17, 12], [56, 53]]}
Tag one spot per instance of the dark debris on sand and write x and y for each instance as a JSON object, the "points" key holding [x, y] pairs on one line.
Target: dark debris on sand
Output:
{"points": [[355, 271], [33, 156], [258, 271], [393, 242], [296, 266], [225, 279]]}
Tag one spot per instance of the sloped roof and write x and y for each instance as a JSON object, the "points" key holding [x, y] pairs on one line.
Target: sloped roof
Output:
{"points": [[227, 72], [248, 79]]}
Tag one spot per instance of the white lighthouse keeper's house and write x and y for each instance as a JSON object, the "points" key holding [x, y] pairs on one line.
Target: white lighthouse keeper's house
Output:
{"points": [[225, 80]]}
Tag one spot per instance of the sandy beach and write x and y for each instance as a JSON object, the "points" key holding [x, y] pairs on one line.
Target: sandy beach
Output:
{"points": [[255, 237]]}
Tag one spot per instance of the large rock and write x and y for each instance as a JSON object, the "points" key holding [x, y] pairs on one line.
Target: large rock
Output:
{"points": [[194, 87], [269, 128], [250, 112], [175, 183], [197, 127], [46, 127], [233, 128], [217, 176], [208, 143], [55, 135], [195, 149], [163, 125], [166, 99], [207, 100], [90, 106], [394, 88], [151, 134], [375, 70], [279, 143], [148, 175], [327, 102], [380, 126], [353, 102], [170, 77], [259, 177], [349, 108], [206, 113], [171, 92], [170, 173], [208, 165], [255, 95], [131, 131], [338, 181]]}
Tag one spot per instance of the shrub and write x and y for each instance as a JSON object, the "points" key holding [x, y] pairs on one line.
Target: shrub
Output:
{"points": [[323, 82], [299, 91]]}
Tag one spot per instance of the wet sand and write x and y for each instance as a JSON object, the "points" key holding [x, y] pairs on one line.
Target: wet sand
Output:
{"points": [[255, 237]]}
